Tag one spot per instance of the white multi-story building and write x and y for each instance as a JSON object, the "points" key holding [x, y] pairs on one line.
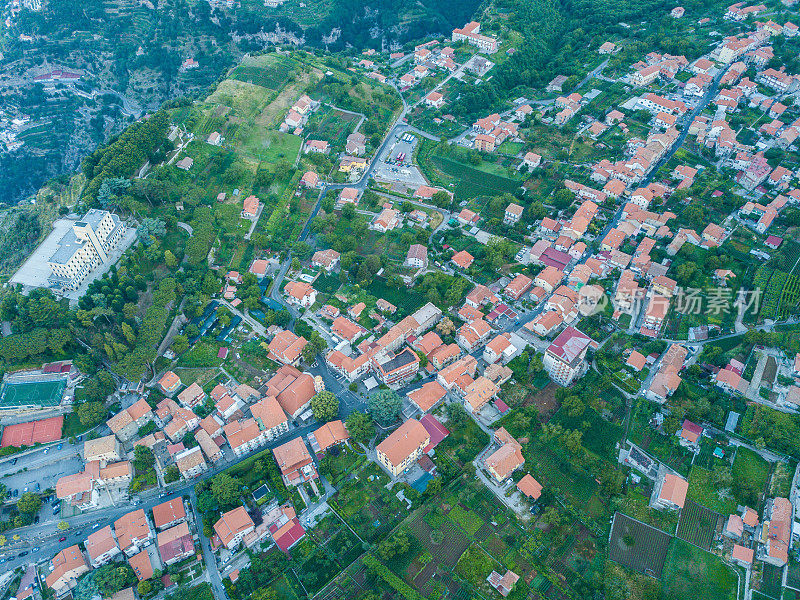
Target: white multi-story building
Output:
{"points": [[85, 247], [563, 360]]}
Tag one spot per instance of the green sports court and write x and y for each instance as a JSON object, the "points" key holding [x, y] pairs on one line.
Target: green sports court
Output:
{"points": [[32, 393]]}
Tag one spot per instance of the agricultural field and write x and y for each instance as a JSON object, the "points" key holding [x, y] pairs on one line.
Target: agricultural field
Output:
{"points": [[366, 505], [750, 475], [771, 581], [693, 573], [465, 180], [638, 546], [704, 490], [270, 70], [269, 146], [664, 448], [698, 525], [780, 293], [331, 125]]}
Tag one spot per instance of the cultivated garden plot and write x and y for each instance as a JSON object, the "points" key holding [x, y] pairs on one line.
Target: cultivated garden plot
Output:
{"points": [[698, 525], [638, 546], [690, 572]]}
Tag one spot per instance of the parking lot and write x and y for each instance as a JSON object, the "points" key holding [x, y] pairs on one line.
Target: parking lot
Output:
{"points": [[45, 469], [389, 168]]}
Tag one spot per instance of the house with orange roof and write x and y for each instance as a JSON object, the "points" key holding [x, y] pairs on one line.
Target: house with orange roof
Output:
{"points": [[471, 335], [207, 444], [479, 393], [270, 417], [250, 207], [133, 532], [670, 492], [545, 323], [530, 487], [463, 260], [67, 567], [505, 460], [169, 383], [518, 286], [742, 556], [443, 355], [333, 433], [348, 195], [388, 219], [401, 449], [310, 179], [462, 370], [300, 293], [191, 463], [141, 565], [434, 100], [244, 436], [320, 146], [500, 348], [778, 532], [636, 361], [192, 396], [326, 259], [295, 462], [713, 234], [531, 160], [287, 348], [427, 343], [232, 526], [427, 396], [549, 278], [480, 296], [101, 547], [467, 217], [345, 329], [169, 513]]}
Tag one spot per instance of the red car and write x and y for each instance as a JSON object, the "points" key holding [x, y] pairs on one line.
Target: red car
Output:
{"points": [[62, 539]]}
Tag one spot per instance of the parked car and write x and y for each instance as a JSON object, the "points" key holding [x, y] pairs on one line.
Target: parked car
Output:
{"points": [[25, 553], [63, 538], [60, 446]]}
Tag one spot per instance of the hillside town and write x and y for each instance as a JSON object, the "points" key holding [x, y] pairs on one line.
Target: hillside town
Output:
{"points": [[361, 342]]}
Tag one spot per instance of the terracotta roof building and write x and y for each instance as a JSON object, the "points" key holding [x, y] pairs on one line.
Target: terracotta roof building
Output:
{"points": [[530, 487], [233, 526], [506, 459], [671, 492], [68, 565], [169, 383], [403, 446], [330, 434], [427, 396], [169, 513], [101, 546], [141, 565], [175, 544], [293, 390], [295, 462], [133, 531]]}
